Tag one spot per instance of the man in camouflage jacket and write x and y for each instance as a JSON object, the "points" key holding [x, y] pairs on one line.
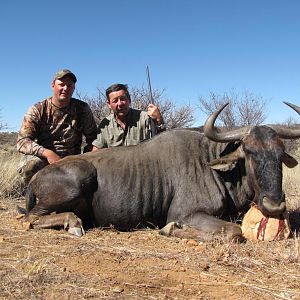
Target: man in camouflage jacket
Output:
{"points": [[54, 128]]}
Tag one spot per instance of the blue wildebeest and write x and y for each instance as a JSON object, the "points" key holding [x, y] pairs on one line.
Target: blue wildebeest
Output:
{"points": [[193, 181]]}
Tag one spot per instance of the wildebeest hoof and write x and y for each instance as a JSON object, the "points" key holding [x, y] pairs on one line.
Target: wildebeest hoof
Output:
{"points": [[169, 229], [26, 225], [21, 210], [77, 231], [20, 216]]}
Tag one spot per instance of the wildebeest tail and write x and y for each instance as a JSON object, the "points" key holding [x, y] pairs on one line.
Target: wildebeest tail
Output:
{"points": [[30, 198]]}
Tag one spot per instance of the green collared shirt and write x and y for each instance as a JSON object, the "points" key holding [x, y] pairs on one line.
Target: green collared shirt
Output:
{"points": [[111, 134]]}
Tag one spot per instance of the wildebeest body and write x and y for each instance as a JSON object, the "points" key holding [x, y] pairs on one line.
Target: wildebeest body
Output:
{"points": [[179, 176], [151, 184], [154, 183]]}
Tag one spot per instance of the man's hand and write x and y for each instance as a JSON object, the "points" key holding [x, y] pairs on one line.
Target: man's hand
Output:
{"points": [[94, 149], [154, 114], [51, 156]]}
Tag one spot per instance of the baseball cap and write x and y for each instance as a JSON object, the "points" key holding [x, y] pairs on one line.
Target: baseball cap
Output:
{"points": [[64, 72]]}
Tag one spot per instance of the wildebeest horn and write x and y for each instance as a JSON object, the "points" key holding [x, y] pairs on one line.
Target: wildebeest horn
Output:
{"points": [[229, 136], [284, 132]]}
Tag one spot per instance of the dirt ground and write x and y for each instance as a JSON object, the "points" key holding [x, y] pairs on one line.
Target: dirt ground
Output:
{"points": [[107, 264]]}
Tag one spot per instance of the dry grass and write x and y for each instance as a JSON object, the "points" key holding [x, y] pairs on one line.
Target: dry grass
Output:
{"points": [[10, 181], [291, 184], [50, 264], [11, 185]]}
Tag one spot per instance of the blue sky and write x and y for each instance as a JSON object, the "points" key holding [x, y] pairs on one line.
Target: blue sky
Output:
{"points": [[192, 47]]}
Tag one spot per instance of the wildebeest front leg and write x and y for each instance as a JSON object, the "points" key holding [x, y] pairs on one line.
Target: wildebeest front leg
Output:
{"points": [[66, 188], [67, 219], [203, 227]]}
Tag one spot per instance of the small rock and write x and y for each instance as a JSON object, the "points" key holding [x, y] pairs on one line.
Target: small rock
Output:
{"points": [[118, 289], [200, 248], [204, 266], [192, 243]]}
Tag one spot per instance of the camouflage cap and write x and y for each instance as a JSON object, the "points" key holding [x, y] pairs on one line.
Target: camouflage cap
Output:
{"points": [[62, 73]]}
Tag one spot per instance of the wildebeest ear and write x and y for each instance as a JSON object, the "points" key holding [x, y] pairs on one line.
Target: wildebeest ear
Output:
{"points": [[228, 161], [289, 161]]}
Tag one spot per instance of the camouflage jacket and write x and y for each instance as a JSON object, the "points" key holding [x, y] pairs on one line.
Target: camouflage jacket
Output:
{"points": [[57, 129]]}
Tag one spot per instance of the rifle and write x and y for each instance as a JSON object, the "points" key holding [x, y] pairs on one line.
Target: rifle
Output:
{"points": [[152, 126]]}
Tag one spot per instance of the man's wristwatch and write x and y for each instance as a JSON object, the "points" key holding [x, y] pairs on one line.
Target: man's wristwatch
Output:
{"points": [[161, 127]]}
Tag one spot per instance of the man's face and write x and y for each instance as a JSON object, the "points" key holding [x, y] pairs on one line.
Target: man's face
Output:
{"points": [[119, 103], [63, 89]]}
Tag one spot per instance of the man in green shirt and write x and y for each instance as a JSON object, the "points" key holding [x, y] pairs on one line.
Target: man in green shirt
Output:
{"points": [[125, 126]]}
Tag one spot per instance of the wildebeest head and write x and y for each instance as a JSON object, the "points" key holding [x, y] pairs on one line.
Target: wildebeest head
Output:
{"points": [[263, 151]]}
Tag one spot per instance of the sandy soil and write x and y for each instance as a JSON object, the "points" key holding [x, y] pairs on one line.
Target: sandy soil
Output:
{"points": [[107, 264]]}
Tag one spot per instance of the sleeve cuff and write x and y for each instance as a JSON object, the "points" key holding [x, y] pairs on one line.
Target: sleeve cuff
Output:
{"points": [[40, 152]]}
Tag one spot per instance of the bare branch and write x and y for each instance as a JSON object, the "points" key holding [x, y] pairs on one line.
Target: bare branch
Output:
{"points": [[97, 104], [292, 145], [246, 109], [140, 99], [2, 125]]}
